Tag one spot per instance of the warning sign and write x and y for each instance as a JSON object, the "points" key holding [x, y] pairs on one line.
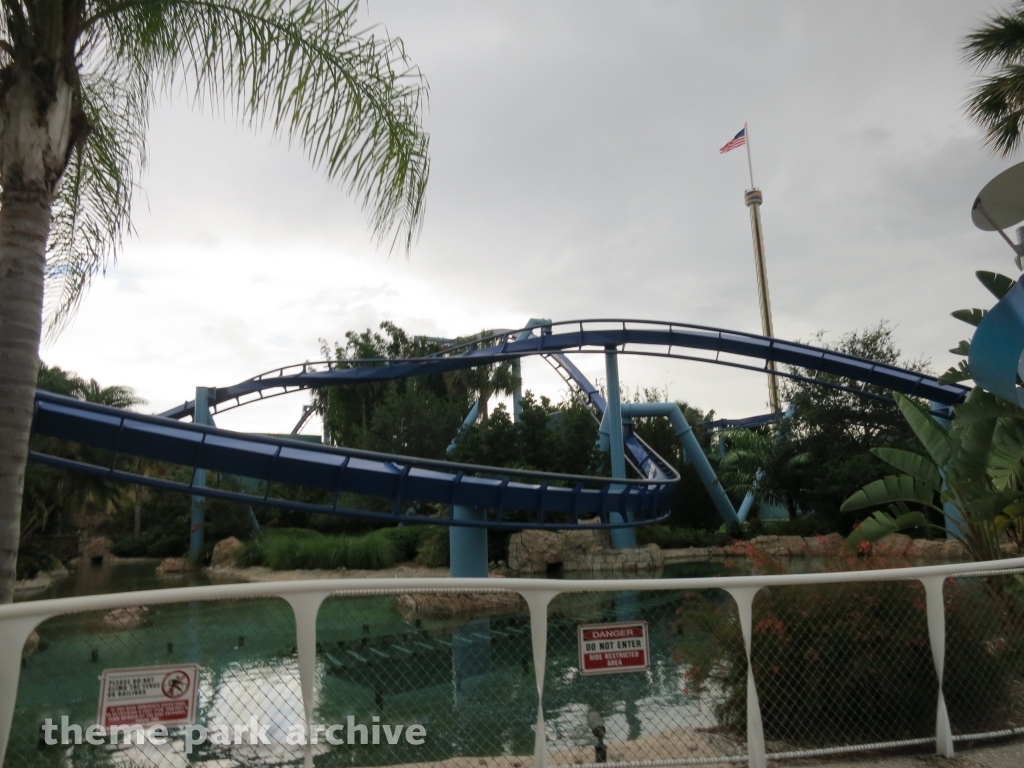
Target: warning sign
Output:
{"points": [[606, 648], [148, 695]]}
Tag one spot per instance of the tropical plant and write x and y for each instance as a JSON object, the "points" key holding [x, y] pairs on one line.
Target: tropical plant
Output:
{"points": [[755, 461], [49, 492], [483, 381], [996, 103], [996, 284], [972, 476], [837, 427], [77, 80]]}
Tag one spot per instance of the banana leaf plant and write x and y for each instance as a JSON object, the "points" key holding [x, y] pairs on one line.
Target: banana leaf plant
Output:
{"points": [[972, 474]]}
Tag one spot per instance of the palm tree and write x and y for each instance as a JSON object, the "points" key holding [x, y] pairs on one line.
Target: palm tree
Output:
{"points": [[77, 79], [997, 102]]}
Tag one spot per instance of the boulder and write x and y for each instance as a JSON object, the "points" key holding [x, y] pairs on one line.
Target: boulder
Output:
{"points": [[97, 550], [174, 565], [926, 548], [954, 550], [794, 545], [125, 618], [225, 552], [892, 545], [459, 605], [533, 551], [825, 546], [31, 645]]}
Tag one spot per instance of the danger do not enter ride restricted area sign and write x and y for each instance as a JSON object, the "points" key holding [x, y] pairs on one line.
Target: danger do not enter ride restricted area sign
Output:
{"points": [[148, 695], [607, 648]]}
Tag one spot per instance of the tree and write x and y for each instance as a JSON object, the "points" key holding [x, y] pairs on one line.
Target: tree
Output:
{"points": [[77, 79], [997, 102], [49, 490], [837, 429]]}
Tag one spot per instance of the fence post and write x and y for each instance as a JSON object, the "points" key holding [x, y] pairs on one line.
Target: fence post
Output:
{"points": [[538, 605], [937, 635], [306, 607], [744, 597], [13, 635]]}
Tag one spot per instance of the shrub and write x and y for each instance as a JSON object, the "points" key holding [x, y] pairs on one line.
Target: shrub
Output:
{"points": [[852, 663], [292, 548], [676, 538], [435, 550]]}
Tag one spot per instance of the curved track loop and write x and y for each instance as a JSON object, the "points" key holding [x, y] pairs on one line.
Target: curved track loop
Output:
{"points": [[340, 478], [631, 337]]}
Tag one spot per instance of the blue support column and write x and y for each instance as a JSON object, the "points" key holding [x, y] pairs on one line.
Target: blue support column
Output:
{"points": [[198, 530], [517, 391], [622, 538], [468, 545]]}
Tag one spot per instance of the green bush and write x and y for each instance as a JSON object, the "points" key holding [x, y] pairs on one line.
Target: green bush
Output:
{"points": [[852, 663], [434, 551], [677, 538], [286, 549]]}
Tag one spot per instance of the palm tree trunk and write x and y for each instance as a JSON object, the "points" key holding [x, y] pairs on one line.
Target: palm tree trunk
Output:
{"points": [[24, 227]]}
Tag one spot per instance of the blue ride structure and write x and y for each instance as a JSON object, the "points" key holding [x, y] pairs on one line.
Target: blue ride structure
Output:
{"points": [[379, 487]]}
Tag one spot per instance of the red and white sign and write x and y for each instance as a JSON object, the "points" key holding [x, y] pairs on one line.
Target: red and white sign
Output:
{"points": [[607, 648], [149, 695]]}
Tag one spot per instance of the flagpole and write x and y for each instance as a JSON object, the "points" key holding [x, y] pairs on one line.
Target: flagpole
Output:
{"points": [[750, 164]]}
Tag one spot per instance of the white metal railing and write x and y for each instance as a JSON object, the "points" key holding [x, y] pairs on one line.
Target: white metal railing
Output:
{"points": [[18, 621]]}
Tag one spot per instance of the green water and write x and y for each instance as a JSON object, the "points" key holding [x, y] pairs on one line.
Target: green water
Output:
{"points": [[471, 684]]}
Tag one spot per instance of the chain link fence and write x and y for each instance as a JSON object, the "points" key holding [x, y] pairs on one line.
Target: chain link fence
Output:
{"points": [[670, 712], [246, 653], [836, 667], [983, 684]]}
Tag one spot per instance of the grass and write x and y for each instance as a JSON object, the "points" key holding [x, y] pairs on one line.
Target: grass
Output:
{"points": [[286, 549]]}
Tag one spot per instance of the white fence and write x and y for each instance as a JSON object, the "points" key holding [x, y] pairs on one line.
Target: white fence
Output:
{"points": [[742, 669]]}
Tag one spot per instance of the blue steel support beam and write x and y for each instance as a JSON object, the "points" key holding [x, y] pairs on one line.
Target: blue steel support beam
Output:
{"points": [[623, 538], [468, 544], [467, 547], [693, 451], [197, 534]]}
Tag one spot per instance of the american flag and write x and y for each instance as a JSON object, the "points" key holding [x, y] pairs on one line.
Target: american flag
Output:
{"points": [[737, 141]]}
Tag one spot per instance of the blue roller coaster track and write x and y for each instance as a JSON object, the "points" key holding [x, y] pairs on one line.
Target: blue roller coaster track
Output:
{"points": [[379, 486]]}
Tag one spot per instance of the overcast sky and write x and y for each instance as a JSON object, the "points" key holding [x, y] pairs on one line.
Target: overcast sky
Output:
{"points": [[576, 173]]}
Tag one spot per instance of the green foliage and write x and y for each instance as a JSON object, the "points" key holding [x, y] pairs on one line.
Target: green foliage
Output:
{"points": [[52, 495], [754, 454], [667, 537], [351, 99], [981, 461], [832, 432], [546, 439], [970, 316], [996, 103], [416, 417], [858, 658], [435, 549], [292, 548]]}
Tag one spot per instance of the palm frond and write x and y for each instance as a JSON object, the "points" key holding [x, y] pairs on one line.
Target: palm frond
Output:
{"points": [[997, 105], [92, 209], [350, 98], [1002, 39]]}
